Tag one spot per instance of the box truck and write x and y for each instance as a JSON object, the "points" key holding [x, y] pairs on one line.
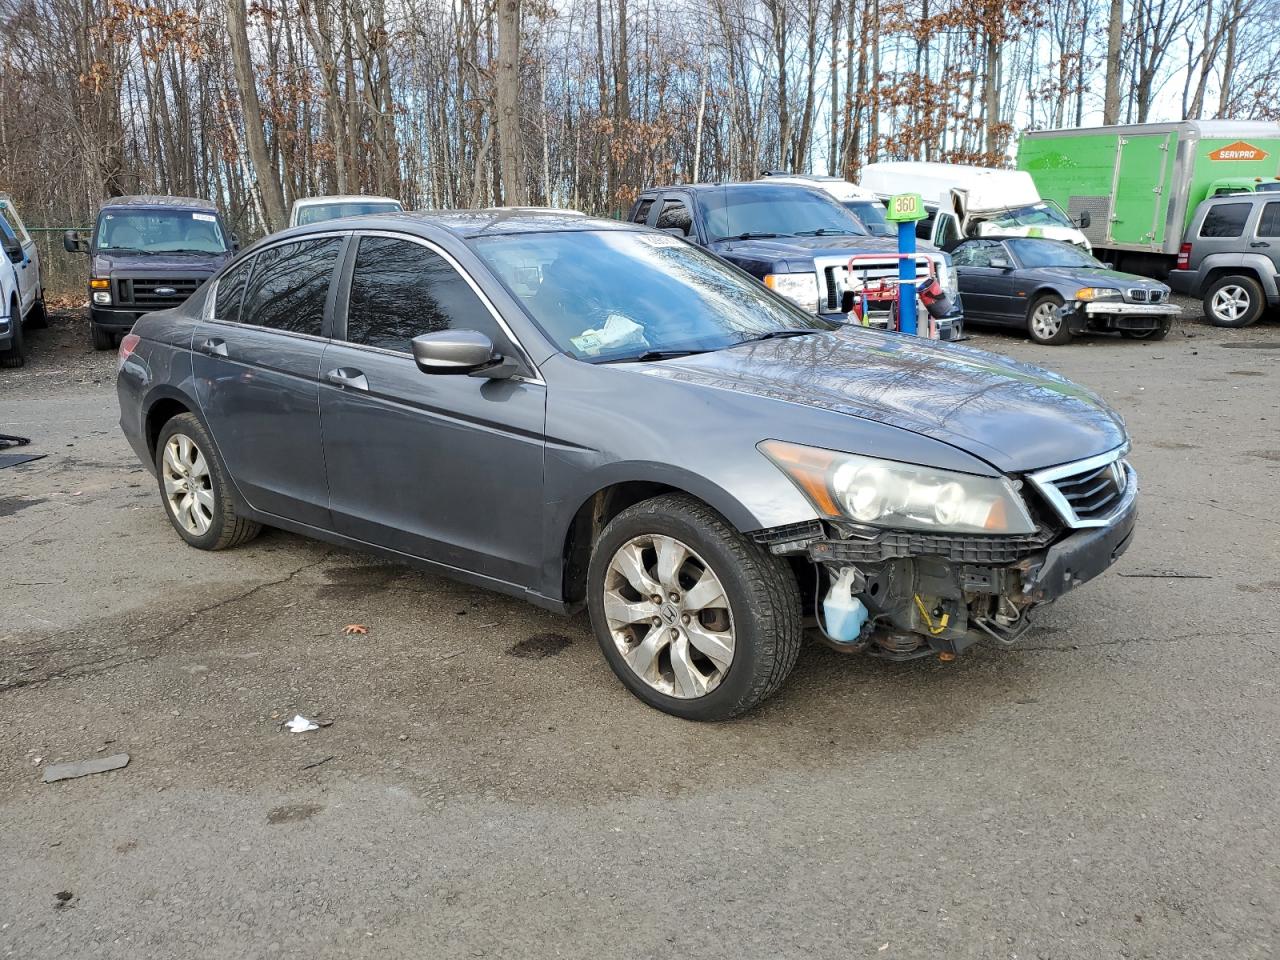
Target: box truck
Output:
{"points": [[1133, 188]]}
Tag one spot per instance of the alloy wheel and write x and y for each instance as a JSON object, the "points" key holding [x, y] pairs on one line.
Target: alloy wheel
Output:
{"points": [[1230, 303], [1045, 321], [188, 485], [669, 616]]}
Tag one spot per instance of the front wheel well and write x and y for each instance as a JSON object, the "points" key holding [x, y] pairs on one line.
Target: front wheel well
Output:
{"points": [[592, 517], [160, 413]]}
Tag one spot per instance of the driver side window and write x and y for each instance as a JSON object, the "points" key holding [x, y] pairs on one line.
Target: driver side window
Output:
{"points": [[401, 290], [975, 253]]}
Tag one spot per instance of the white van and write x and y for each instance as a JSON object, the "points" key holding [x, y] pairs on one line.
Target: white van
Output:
{"points": [[316, 209], [859, 201], [965, 201]]}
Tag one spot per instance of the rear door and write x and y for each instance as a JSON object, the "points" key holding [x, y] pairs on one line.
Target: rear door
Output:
{"points": [[256, 359], [27, 270], [445, 467], [1143, 164], [1266, 238]]}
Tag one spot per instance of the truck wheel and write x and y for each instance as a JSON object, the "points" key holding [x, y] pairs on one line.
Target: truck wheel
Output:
{"points": [[16, 355], [195, 489], [694, 618], [1043, 322], [102, 339], [1234, 301], [38, 315]]}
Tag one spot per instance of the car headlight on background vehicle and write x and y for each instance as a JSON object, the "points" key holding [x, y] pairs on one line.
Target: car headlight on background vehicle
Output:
{"points": [[101, 289], [885, 493], [800, 288], [1098, 293]]}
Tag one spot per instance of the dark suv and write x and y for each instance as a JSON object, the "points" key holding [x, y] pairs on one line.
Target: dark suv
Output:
{"points": [[794, 239], [1230, 257], [148, 253]]}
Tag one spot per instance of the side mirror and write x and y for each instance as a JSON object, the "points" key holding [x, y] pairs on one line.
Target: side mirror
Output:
{"points": [[1085, 220], [1000, 263], [235, 243], [73, 242], [466, 352]]}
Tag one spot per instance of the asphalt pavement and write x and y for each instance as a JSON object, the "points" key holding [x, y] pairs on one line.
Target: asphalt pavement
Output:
{"points": [[1106, 789]]}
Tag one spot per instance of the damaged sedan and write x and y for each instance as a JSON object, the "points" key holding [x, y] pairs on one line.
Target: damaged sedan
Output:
{"points": [[588, 414]]}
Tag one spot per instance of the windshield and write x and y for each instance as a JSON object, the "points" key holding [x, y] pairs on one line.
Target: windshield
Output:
{"points": [[1049, 253], [160, 231], [316, 212], [773, 211], [611, 295], [1032, 215], [870, 214], [1268, 187]]}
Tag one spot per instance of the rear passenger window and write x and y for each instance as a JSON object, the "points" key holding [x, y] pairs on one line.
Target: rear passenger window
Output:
{"points": [[289, 284], [1269, 222], [675, 215], [230, 293], [642, 212], [401, 290], [1225, 220]]}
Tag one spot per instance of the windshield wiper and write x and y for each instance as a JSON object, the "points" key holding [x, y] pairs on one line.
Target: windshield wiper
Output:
{"points": [[751, 236], [654, 355], [828, 232], [779, 335]]}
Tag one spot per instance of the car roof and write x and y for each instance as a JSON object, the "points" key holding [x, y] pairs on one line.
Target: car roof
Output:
{"points": [[342, 198], [766, 183], [158, 200], [470, 224]]}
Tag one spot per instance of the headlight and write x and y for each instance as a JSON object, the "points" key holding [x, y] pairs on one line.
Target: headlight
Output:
{"points": [[885, 493], [101, 297], [801, 288], [1097, 293]]}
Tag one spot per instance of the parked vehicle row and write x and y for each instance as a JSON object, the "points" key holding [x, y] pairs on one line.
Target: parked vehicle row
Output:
{"points": [[21, 288], [587, 413]]}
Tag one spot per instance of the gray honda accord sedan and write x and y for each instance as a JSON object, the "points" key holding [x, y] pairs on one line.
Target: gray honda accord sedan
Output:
{"points": [[592, 414]]}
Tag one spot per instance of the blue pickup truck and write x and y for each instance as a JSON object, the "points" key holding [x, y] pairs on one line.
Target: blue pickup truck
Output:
{"points": [[794, 239]]}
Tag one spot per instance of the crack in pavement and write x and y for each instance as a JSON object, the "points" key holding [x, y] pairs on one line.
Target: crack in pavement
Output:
{"points": [[108, 663], [1127, 641]]}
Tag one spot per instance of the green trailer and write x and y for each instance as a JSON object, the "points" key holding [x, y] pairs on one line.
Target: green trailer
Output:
{"points": [[1133, 188]]}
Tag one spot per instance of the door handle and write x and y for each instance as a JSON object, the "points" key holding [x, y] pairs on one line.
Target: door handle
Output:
{"points": [[348, 377], [1259, 243], [214, 346]]}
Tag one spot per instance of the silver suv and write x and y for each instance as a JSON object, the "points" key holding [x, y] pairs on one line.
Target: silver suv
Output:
{"points": [[1230, 257]]}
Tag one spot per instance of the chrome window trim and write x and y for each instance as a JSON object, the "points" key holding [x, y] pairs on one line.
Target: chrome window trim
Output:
{"points": [[475, 288], [1044, 482]]}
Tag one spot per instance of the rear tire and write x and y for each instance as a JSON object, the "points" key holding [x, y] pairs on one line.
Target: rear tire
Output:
{"points": [[1043, 323], [102, 339], [15, 356], [746, 613], [1235, 301], [195, 489]]}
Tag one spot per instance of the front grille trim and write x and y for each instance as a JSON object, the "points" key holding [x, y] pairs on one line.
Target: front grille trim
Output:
{"points": [[140, 291], [1086, 493]]}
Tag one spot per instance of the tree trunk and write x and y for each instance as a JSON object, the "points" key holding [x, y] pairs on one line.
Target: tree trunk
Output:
{"points": [[1111, 97], [267, 179], [507, 96]]}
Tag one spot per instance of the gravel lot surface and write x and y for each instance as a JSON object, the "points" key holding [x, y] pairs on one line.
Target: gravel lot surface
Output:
{"points": [[1107, 789]]}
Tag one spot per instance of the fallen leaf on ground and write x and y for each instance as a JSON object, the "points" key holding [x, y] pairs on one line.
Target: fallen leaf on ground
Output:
{"points": [[353, 628]]}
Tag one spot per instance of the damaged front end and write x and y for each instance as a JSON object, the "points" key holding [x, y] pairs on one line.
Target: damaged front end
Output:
{"points": [[902, 594]]}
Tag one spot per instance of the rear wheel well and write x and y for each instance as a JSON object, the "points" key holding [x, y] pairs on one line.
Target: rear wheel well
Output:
{"points": [[1217, 273], [591, 518], [160, 413]]}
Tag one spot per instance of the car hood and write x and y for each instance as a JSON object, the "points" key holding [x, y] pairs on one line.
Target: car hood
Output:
{"points": [[1097, 276], [160, 264], [1014, 416], [835, 246]]}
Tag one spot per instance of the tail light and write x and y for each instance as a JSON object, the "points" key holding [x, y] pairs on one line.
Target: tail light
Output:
{"points": [[128, 343], [1184, 257]]}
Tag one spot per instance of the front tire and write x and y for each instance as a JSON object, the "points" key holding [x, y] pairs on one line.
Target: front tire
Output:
{"points": [[102, 339], [694, 618], [16, 355], [195, 488], [1234, 301], [1044, 323]]}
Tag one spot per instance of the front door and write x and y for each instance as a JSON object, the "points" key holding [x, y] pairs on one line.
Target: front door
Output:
{"points": [[445, 467], [257, 362], [985, 288]]}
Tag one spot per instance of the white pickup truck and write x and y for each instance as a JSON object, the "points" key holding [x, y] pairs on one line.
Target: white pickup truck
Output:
{"points": [[21, 289]]}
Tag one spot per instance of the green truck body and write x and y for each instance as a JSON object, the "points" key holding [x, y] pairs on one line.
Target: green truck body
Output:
{"points": [[1140, 183]]}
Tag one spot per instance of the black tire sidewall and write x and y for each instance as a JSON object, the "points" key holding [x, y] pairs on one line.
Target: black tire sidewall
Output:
{"points": [[16, 353], [749, 650], [1064, 333], [190, 425], [1257, 301], [102, 339]]}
